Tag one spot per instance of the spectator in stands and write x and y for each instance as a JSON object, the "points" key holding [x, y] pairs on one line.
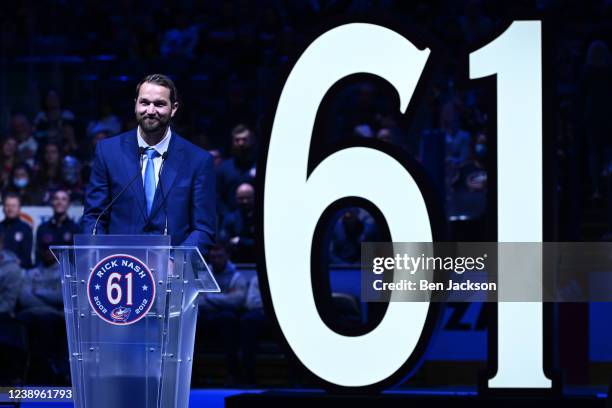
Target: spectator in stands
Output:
{"points": [[88, 151], [351, 229], [21, 183], [69, 144], [51, 122], [231, 282], [88, 154], [17, 234], [59, 230], [220, 310], [11, 276], [106, 121], [472, 175], [238, 169], [458, 141], [97, 136], [71, 178], [360, 110], [49, 175], [217, 158], [27, 146], [239, 225], [8, 152], [468, 193]]}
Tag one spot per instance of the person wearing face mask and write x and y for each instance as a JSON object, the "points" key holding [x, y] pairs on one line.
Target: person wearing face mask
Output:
{"points": [[21, 184]]}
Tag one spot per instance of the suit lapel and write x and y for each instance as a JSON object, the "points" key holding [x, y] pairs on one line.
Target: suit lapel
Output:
{"points": [[131, 162], [168, 174]]}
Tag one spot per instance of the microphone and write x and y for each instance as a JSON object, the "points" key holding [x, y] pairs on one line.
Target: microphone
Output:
{"points": [[161, 190], [141, 152]]}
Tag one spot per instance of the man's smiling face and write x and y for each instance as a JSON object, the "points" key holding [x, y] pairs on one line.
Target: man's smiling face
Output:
{"points": [[153, 107]]}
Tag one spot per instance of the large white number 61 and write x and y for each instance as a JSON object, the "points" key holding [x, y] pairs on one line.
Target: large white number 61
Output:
{"points": [[362, 172]]}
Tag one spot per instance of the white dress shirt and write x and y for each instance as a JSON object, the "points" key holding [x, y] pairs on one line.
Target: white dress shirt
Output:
{"points": [[161, 147]]}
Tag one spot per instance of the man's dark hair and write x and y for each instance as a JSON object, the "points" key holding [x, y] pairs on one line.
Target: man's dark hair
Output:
{"points": [[161, 80], [11, 194], [241, 128]]}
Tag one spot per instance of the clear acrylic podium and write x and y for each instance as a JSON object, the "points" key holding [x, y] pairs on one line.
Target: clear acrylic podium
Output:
{"points": [[146, 363]]}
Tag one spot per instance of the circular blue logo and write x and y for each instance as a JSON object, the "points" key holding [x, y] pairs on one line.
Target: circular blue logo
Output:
{"points": [[121, 289]]}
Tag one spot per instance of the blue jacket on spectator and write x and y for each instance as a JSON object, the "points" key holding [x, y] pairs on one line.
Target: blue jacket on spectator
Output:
{"points": [[18, 239], [230, 174], [54, 232], [241, 226]]}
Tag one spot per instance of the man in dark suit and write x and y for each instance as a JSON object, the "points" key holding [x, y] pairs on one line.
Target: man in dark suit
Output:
{"points": [[17, 234], [172, 181]]}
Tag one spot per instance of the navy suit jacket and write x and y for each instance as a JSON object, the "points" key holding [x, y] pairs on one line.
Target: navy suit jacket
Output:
{"points": [[188, 184]]}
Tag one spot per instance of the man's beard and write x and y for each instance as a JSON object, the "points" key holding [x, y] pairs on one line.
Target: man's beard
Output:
{"points": [[151, 126]]}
